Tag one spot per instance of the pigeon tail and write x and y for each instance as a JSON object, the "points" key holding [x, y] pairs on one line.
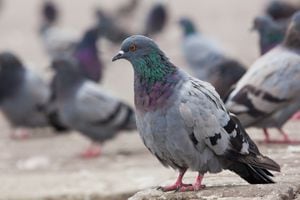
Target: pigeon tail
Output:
{"points": [[252, 174]]}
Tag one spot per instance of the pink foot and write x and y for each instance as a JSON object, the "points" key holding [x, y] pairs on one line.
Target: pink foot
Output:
{"points": [[20, 134], [177, 185], [174, 187], [195, 187], [285, 140], [92, 151], [296, 116], [191, 188]]}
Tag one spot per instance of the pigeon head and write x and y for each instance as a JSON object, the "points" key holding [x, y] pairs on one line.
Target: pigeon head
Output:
{"points": [[9, 62], [262, 23], [187, 26], [50, 12], [280, 9], [65, 65], [148, 61], [90, 37], [11, 74], [292, 38]]}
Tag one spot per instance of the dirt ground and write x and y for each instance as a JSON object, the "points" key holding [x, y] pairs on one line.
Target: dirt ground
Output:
{"points": [[48, 167]]}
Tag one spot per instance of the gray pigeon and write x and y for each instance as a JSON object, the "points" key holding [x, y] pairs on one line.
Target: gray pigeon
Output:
{"points": [[207, 60], [86, 107], [271, 33], [110, 29], [127, 9], [184, 123], [269, 93], [23, 95], [56, 40]]}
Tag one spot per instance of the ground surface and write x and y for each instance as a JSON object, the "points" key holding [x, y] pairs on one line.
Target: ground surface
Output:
{"points": [[47, 166]]}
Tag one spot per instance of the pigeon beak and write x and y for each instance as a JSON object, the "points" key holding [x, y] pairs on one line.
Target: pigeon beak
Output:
{"points": [[120, 55]]}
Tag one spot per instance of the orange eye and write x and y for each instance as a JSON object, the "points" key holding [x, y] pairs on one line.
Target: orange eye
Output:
{"points": [[132, 48]]}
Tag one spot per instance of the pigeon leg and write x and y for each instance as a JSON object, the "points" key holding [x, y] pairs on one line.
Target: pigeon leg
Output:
{"points": [[286, 138], [267, 136], [20, 134], [93, 151], [195, 187], [177, 185], [296, 116]]}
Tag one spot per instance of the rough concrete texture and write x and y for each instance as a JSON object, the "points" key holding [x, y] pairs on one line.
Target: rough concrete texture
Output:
{"points": [[46, 167]]}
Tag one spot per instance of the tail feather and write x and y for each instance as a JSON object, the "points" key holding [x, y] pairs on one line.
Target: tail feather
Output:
{"points": [[252, 174]]}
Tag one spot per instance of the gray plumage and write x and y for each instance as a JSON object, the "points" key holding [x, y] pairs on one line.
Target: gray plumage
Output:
{"points": [[269, 93], [208, 61], [84, 106], [183, 121], [23, 95]]}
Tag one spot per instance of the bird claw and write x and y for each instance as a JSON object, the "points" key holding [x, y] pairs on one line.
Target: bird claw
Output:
{"points": [[91, 152], [174, 187], [20, 134], [190, 188]]}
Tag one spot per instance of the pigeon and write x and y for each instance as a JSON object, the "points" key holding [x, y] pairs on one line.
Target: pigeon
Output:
{"points": [[109, 27], [23, 95], [207, 60], [156, 19], [269, 93], [56, 40], [127, 9], [271, 33], [281, 10], [91, 66], [86, 107], [184, 123]]}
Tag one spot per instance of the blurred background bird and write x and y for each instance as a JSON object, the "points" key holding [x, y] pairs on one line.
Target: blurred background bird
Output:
{"points": [[23, 95], [207, 60], [86, 107], [271, 33], [269, 93], [156, 19]]}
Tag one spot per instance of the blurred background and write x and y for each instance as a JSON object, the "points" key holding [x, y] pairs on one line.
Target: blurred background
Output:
{"points": [[47, 165]]}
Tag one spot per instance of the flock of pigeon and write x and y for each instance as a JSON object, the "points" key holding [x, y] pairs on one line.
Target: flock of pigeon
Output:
{"points": [[188, 122]]}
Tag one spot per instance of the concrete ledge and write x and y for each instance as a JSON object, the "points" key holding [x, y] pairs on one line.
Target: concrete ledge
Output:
{"points": [[279, 191]]}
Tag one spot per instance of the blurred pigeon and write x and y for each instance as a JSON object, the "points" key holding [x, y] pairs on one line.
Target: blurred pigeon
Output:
{"points": [[184, 123], [269, 93], [109, 27], [271, 33], [57, 41], [281, 10], [208, 61], [88, 55], [156, 19], [127, 9], [23, 95], [85, 107]]}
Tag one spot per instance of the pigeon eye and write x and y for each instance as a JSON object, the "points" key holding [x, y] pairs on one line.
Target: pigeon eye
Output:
{"points": [[132, 48]]}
